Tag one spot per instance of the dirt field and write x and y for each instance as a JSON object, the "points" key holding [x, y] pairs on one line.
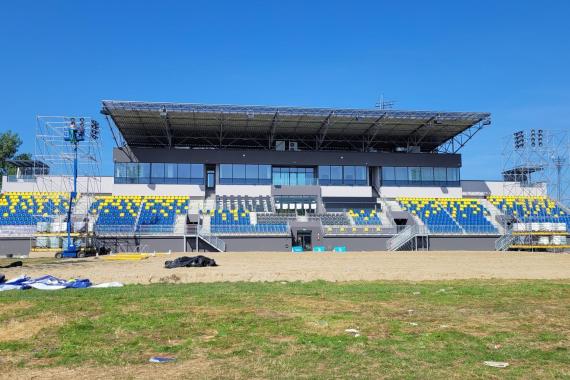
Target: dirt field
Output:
{"points": [[273, 266]]}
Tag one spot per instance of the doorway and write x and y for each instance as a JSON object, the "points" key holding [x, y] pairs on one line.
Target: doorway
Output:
{"points": [[304, 240], [210, 177]]}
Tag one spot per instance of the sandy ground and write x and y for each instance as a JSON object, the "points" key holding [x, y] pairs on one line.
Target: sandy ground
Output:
{"points": [[279, 266]]}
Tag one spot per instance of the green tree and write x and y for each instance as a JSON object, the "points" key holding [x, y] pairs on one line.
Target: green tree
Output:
{"points": [[9, 144]]}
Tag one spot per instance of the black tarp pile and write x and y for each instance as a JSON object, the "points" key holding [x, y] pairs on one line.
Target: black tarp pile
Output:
{"points": [[2, 278], [194, 261], [13, 265]]}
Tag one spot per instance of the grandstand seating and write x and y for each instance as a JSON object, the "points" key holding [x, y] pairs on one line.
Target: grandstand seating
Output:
{"points": [[531, 209], [257, 204], [334, 219], [159, 211], [118, 210], [450, 215], [24, 208], [162, 211], [365, 216], [238, 221]]}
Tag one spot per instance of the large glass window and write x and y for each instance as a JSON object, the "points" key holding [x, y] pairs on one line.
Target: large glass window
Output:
{"points": [[427, 174], [343, 175], [324, 175], [251, 174], [120, 172], [336, 175], [158, 173], [293, 176], [388, 175], [144, 172], [439, 175], [414, 174], [361, 175], [264, 174], [170, 173], [420, 176], [197, 173], [184, 173], [348, 175], [452, 174], [238, 173], [401, 174]]}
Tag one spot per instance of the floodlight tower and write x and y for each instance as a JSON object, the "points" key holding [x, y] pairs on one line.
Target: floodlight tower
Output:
{"points": [[74, 135]]}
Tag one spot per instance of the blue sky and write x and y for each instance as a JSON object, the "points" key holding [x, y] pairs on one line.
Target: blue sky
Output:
{"points": [[510, 58]]}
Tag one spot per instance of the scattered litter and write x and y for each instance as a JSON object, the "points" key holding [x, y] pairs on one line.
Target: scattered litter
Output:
{"points": [[497, 346], [413, 323], [496, 364], [441, 291], [444, 326], [161, 359], [2, 279], [283, 282], [126, 257], [12, 265], [52, 283], [194, 261], [354, 332], [109, 285], [416, 293], [44, 283], [410, 311]]}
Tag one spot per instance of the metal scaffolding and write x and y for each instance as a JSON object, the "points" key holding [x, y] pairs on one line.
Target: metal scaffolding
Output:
{"points": [[52, 149], [537, 162]]}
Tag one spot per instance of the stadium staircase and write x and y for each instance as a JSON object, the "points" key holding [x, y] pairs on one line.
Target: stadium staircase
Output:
{"points": [[494, 215], [411, 238], [505, 241], [386, 214]]}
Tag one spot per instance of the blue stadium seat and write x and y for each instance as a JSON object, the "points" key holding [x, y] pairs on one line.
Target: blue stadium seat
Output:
{"points": [[24, 208], [450, 215]]}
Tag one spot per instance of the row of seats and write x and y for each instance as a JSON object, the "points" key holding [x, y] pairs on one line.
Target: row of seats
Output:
{"points": [[257, 204], [123, 210], [336, 219], [239, 221], [450, 215], [249, 229], [531, 209], [26, 208], [365, 217], [162, 211]]}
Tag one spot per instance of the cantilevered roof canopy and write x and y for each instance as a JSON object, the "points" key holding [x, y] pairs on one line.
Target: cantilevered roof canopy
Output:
{"points": [[27, 163], [185, 125]]}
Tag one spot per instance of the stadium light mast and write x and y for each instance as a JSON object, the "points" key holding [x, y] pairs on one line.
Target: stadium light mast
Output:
{"points": [[558, 163], [73, 136]]}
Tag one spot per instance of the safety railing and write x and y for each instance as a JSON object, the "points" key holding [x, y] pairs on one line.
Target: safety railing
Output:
{"points": [[160, 230], [17, 231], [213, 240], [253, 230], [25, 178], [504, 242], [405, 235], [112, 229], [462, 229], [349, 230]]}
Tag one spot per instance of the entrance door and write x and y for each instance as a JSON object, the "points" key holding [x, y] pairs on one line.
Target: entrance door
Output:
{"points": [[304, 240], [210, 178]]}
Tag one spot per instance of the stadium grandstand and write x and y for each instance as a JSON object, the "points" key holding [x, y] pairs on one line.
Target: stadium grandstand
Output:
{"points": [[260, 178]]}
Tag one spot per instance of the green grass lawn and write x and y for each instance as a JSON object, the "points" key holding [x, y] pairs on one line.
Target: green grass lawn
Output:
{"points": [[292, 330]]}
